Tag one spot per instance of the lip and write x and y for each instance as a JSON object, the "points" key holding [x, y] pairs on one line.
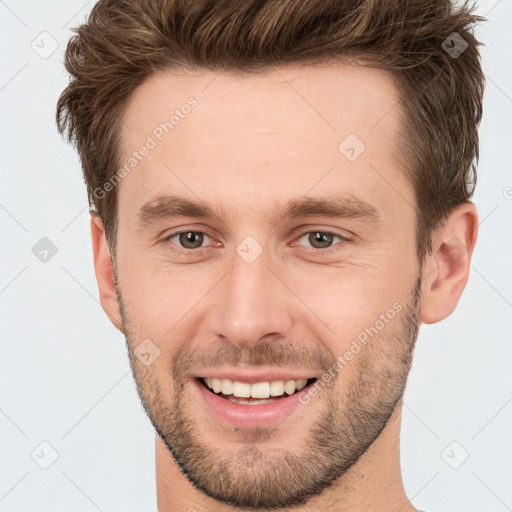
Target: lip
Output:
{"points": [[251, 378], [246, 416]]}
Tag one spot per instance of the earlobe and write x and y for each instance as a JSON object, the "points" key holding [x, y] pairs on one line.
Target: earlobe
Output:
{"points": [[104, 271], [447, 270]]}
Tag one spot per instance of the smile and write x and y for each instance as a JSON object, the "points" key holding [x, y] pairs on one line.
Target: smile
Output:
{"points": [[239, 404], [234, 390]]}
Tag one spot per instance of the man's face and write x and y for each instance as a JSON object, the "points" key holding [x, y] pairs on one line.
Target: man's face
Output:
{"points": [[261, 292]]}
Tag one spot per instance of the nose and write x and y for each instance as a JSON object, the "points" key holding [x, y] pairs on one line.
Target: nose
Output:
{"points": [[251, 303]]}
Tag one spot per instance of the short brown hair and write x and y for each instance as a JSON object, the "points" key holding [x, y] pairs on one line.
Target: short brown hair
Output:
{"points": [[124, 42]]}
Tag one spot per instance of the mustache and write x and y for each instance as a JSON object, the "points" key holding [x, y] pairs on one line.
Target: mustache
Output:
{"points": [[265, 354]]}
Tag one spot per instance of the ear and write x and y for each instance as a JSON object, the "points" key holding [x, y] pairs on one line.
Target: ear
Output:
{"points": [[446, 270], [104, 271]]}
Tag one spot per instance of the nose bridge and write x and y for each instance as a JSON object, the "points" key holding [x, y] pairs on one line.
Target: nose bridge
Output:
{"points": [[252, 301]]}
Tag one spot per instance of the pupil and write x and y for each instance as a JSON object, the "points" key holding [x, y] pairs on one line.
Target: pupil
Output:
{"points": [[323, 238], [188, 237]]}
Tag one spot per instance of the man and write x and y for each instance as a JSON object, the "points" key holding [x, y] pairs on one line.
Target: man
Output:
{"points": [[281, 197]]}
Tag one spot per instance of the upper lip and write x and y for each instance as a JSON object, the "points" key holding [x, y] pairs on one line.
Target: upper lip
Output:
{"points": [[250, 377]]}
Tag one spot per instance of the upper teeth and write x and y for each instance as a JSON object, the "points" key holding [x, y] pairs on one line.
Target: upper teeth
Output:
{"points": [[256, 390]]}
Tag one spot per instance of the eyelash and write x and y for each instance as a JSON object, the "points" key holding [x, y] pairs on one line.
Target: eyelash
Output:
{"points": [[309, 250]]}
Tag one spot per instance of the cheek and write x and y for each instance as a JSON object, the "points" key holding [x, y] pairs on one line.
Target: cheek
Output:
{"points": [[353, 299], [160, 293], [164, 306]]}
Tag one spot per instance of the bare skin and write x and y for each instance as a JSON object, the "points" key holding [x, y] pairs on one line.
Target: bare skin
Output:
{"points": [[252, 144]]}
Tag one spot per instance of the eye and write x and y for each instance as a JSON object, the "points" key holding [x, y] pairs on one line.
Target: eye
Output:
{"points": [[187, 239], [322, 241]]}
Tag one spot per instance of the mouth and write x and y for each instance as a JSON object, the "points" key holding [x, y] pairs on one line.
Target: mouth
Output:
{"points": [[257, 393], [239, 404]]}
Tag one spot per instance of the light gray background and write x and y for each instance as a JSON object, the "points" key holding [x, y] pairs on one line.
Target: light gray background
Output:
{"points": [[64, 373]]}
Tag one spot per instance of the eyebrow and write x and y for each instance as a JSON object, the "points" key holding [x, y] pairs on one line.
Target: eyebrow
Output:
{"points": [[345, 206]]}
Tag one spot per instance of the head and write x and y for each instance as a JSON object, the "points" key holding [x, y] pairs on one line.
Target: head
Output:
{"points": [[277, 187]]}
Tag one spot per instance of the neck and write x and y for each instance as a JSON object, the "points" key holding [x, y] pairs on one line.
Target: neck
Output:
{"points": [[373, 483]]}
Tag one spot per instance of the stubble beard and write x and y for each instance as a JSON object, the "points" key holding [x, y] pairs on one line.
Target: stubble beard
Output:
{"points": [[354, 415]]}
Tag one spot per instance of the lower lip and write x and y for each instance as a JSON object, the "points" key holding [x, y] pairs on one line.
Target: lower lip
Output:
{"points": [[247, 416]]}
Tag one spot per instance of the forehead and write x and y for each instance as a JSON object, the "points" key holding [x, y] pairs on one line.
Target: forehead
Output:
{"points": [[281, 132], [330, 97]]}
